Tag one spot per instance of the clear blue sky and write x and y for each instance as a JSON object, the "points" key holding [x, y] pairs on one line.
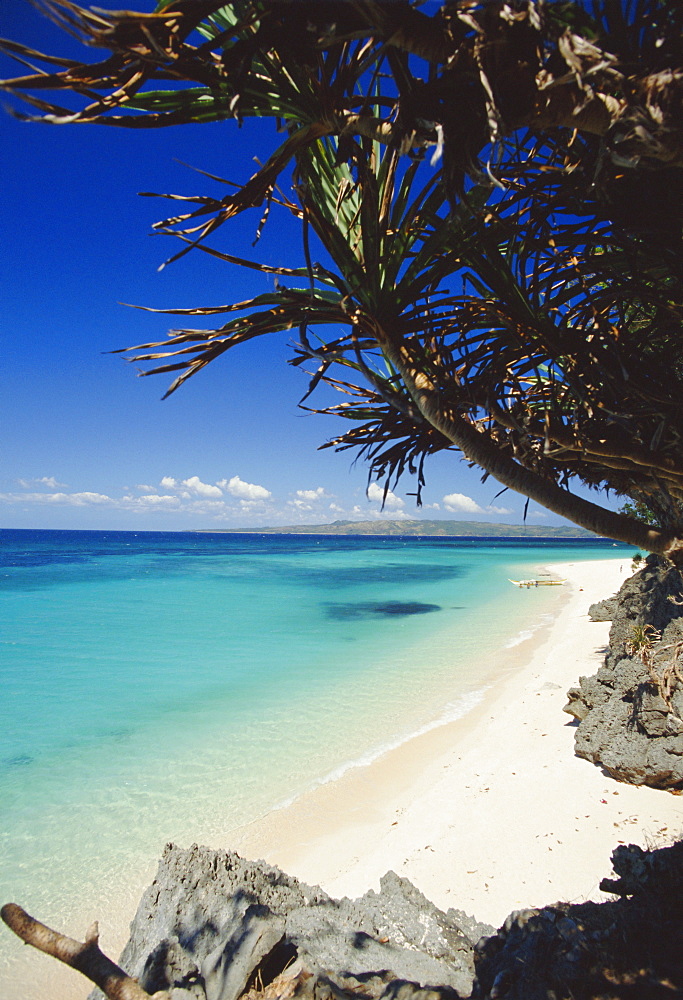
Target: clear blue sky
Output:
{"points": [[85, 443]]}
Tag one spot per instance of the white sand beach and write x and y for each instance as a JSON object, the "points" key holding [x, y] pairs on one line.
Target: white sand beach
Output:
{"points": [[490, 813], [487, 814]]}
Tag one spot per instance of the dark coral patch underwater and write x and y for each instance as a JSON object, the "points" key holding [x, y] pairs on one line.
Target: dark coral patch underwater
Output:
{"points": [[378, 609]]}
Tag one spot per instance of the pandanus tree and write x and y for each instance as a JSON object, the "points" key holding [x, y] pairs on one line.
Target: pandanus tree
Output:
{"points": [[490, 208]]}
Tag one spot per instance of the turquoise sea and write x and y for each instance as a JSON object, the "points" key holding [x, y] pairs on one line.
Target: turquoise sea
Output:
{"points": [[173, 686]]}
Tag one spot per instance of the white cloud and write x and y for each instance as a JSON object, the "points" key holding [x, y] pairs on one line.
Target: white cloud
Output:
{"points": [[458, 502], [144, 488], [210, 507], [195, 484], [88, 497], [311, 495], [75, 499], [42, 481], [245, 491], [154, 499], [376, 492], [169, 483], [183, 502], [299, 504], [394, 515], [432, 506], [22, 497], [336, 508], [70, 499]]}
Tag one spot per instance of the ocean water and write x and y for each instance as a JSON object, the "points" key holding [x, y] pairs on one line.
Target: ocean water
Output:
{"points": [[174, 686]]}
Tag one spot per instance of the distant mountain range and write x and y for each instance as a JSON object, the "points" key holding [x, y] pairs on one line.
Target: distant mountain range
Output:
{"points": [[422, 527]]}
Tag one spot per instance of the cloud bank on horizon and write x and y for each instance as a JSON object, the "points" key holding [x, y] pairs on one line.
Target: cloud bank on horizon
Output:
{"points": [[233, 502]]}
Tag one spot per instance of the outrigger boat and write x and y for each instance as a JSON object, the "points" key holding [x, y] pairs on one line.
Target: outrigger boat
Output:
{"points": [[538, 583]]}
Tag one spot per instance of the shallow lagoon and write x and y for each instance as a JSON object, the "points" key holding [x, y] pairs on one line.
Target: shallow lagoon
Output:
{"points": [[173, 686]]}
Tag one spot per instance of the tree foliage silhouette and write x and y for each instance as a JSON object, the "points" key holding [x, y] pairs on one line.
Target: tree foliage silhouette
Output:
{"points": [[490, 207]]}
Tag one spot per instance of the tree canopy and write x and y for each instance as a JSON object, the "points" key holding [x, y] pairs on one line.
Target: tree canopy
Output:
{"points": [[490, 198]]}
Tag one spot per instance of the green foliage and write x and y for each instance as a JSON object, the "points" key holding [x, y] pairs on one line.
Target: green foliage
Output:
{"points": [[642, 639], [641, 510]]}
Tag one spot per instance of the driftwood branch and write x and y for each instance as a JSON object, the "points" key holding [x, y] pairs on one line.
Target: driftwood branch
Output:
{"points": [[85, 956]]}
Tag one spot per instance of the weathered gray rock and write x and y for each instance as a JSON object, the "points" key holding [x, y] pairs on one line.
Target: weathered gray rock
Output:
{"points": [[632, 947], [627, 725], [227, 969], [603, 611], [212, 925]]}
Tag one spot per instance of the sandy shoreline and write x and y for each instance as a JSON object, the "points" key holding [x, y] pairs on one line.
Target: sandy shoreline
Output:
{"points": [[489, 813]]}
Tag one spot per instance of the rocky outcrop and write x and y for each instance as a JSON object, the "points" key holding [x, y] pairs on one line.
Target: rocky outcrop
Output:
{"points": [[632, 947], [631, 711], [213, 926], [603, 611]]}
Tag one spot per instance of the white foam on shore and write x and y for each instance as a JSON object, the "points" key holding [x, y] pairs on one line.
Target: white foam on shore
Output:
{"points": [[455, 710], [528, 633], [429, 816], [452, 711]]}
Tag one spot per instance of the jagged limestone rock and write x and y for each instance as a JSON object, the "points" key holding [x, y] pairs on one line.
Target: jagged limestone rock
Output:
{"points": [[626, 724], [603, 611], [213, 925]]}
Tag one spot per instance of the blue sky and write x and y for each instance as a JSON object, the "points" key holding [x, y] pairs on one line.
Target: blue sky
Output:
{"points": [[87, 444]]}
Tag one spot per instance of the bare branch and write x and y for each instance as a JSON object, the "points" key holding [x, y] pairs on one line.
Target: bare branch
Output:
{"points": [[85, 957]]}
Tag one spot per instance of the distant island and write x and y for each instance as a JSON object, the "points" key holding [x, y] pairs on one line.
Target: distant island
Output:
{"points": [[461, 529]]}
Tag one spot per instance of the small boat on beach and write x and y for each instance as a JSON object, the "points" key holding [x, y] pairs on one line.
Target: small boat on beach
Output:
{"points": [[547, 582]]}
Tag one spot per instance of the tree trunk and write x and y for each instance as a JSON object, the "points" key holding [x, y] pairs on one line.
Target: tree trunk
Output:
{"points": [[479, 449]]}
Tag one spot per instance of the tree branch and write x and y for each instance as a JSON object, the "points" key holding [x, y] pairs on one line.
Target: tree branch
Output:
{"points": [[85, 957], [480, 450], [611, 454]]}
